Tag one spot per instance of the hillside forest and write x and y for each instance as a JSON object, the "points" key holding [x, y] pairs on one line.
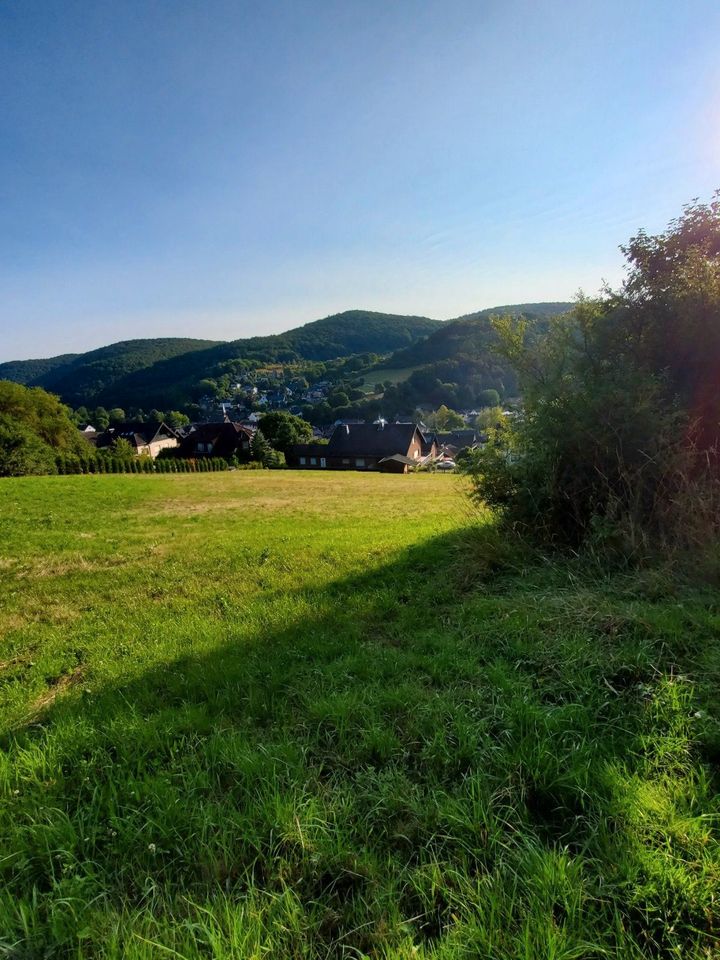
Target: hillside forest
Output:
{"points": [[355, 364]]}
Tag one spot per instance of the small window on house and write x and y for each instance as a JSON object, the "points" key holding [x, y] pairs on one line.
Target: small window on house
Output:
{"points": [[313, 461], [346, 460], [303, 461], [359, 461], [322, 461]]}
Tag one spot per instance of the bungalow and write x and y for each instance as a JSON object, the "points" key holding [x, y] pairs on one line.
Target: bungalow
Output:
{"points": [[389, 447], [226, 439], [146, 439]]}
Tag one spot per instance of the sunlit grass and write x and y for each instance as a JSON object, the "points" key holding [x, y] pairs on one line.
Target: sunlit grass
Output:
{"points": [[293, 715], [373, 378]]}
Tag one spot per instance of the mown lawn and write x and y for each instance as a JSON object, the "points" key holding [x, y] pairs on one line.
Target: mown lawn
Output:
{"points": [[288, 715]]}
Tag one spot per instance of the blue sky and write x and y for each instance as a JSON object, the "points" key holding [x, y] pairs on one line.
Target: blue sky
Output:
{"points": [[217, 169]]}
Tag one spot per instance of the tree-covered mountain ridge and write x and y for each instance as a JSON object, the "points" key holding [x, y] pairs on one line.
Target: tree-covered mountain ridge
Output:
{"points": [[118, 372], [163, 372], [471, 335], [458, 363]]}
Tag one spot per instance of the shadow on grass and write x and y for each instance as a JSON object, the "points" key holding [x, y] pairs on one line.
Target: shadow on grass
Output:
{"points": [[391, 762]]}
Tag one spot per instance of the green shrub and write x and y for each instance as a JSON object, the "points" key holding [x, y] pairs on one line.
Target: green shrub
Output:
{"points": [[616, 448]]}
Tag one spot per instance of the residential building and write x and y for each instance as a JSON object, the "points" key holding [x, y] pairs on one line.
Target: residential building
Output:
{"points": [[226, 439], [146, 439], [389, 447]]}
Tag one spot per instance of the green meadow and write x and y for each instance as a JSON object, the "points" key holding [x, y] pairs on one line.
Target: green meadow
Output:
{"points": [[375, 378], [276, 714]]}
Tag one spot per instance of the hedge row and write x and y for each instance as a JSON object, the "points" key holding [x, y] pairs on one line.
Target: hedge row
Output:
{"points": [[72, 465]]}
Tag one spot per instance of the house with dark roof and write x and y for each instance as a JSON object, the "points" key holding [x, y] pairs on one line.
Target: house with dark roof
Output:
{"points": [[453, 442], [225, 439], [146, 439], [389, 447]]}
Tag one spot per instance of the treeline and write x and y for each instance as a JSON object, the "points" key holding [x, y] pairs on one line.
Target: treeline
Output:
{"points": [[101, 418]]}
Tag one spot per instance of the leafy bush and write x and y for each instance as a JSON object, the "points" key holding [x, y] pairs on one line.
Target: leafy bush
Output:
{"points": [[34, 427], [617, 446], [22, 452]]}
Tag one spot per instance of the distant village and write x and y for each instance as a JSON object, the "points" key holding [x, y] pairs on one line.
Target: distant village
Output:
{"points": [[230, 422], [396, 447]]}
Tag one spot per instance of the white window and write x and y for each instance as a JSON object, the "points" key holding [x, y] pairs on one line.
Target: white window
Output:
{"points": [[303, 461], [346, 460], [359, 462], [313, 461], [322, 461]]}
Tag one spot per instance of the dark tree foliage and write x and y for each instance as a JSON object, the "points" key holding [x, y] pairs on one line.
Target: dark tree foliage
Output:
{"points": [[262, 452], [622, 404], [88, 378], [488, 398], [30, 372], [472, 336], [460, 362], [283, 429]]}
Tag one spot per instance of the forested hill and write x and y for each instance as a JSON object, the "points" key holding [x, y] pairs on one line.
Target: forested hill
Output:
{"points": [[470, 336], [354, 331], [162, 372], [80, 378], [30, 372], [456, 365]]}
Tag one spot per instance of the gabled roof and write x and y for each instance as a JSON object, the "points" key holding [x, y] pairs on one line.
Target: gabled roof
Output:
{"points": [[225, 437], [209, 432], [458, 438], [372, 439], [399, 458], [428, 440], [138, 434]]}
